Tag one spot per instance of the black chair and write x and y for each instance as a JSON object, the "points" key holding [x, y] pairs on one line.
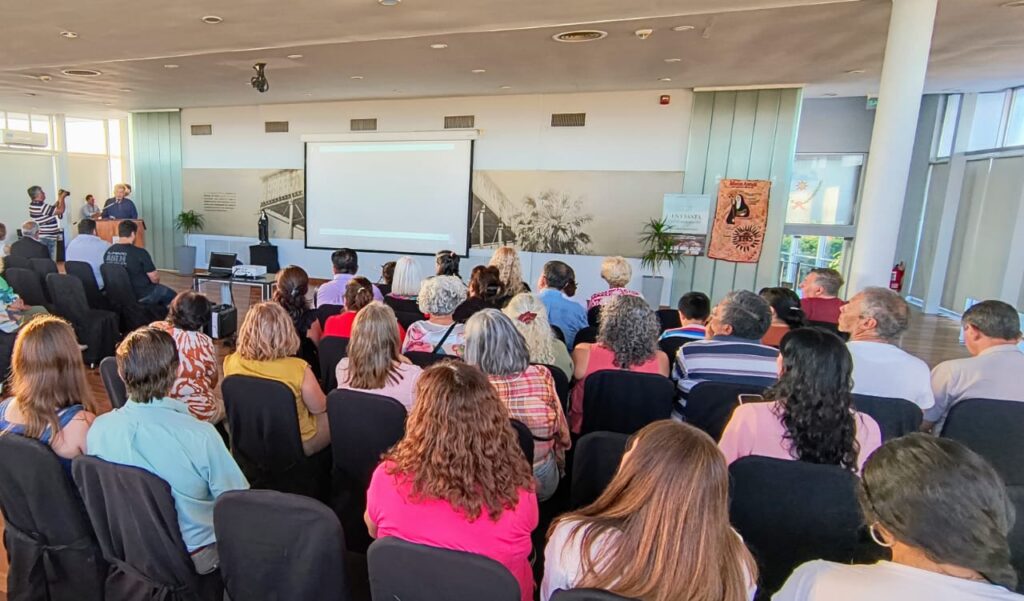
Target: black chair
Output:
{"points": [[96, 329], [273, 545], [51, 548], [325, 312], [525, 437], [265, 438], [407, 318], [27, 285], [586, 335], [594, 316], [425, 359], [558, 333], [709, 405], [596, 459], [829, 326], [622, 401], [587, 594], [670, 346], [136, 524], [119, 289], [895, 417], [790, 512], [332, 350], [669, 319], [562, 387], [43, 268], [83, 271], [113, 383], [363, 427], [403, 570], [18, 262]]}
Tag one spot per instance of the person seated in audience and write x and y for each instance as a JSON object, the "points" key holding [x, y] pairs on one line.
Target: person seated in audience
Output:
{"points": [[14, 313], [89, 248], [875, 319], [458, 479], [820, 295], [142, 273], [405, 287], [345, 263], [495, 346], [358, 294], [29, 246], [659, 531], [158, 434], [486, 291], [290, 290], [991, 333], [627, 339], [5, 249], [266, 348], [198, 365], [732, 351], [530, 317], [387, 276], [373, 363], [50, 399], [556, 282], [786, 314], [447, 263], [438, 298], [506, 259], [809, 415], [617, 272], [944, 514], [694, 310]]}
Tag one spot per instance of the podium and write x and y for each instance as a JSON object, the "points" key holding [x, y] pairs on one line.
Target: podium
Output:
{"points": [[106, 229]]}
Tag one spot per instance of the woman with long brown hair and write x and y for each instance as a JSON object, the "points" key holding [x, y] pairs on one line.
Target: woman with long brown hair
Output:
{"points": [[51, 400], [290, 290], [373, 363], [660, 531], [458, 479]]}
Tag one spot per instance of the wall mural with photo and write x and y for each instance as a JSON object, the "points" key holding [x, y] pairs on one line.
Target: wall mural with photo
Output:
{"points": [[231, 200]]}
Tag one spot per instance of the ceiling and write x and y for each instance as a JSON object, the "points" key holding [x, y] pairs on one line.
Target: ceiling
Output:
{"points": [[977, 46]]}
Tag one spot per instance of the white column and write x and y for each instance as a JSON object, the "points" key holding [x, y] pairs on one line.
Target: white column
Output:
{"points": [[892, 141]]}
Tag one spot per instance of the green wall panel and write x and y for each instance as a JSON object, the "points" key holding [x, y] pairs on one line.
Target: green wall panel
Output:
{"points": [[156, 162]]}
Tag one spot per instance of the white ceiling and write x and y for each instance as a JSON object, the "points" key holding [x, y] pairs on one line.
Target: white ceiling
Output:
{"points": [[977, 46]]}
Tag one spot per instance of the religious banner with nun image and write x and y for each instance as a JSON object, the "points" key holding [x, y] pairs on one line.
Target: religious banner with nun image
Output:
{"points": [[741, 216]]}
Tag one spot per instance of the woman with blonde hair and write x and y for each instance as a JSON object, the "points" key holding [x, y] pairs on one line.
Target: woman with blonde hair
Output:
{"points": [[267, 343], [458, 479], [373, 363], [617, 272], [660, 530], [530, 317], [51, 400], [506, 259]]}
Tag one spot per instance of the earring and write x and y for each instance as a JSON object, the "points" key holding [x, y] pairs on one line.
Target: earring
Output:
{"points": [[877, 538]]}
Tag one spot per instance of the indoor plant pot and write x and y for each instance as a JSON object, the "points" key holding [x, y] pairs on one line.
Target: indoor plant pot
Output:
{"points": [[659, 246], [188, 222]]}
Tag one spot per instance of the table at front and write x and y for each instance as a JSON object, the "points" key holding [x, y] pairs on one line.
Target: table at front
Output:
{"points": [[264, 283]]}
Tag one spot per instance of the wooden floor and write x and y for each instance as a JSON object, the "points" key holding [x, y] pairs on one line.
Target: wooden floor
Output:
{"points": [[932, 338]]}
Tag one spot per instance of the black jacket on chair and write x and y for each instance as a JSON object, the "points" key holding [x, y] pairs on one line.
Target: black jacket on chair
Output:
{"points": [[95, 328]]}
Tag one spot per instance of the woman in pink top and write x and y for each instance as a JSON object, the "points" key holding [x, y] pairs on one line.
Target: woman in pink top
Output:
{"points": [[373, 363], [627, 339], [810, 415], [458, 479]]}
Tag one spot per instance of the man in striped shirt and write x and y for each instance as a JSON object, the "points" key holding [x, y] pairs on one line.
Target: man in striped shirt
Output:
{"points": [[47, 216]]}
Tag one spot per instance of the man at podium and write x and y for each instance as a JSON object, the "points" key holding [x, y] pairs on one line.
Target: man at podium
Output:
{"points": [[120, 207]]}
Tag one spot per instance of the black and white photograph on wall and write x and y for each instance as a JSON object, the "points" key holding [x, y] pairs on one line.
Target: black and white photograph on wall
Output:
{"points": [[232, 200]]}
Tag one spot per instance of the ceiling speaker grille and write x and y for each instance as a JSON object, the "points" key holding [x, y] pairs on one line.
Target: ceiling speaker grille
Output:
{"points": [[459, 121], [363, 125], [275, 127], [568, 120], [202, 130]]}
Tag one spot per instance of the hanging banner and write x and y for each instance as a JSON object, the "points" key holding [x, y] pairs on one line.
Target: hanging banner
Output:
{"points": [[741, 217], [688, 217]]}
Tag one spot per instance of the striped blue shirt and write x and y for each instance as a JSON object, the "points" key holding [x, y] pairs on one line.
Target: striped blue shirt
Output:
{"points": [[724, 359]]}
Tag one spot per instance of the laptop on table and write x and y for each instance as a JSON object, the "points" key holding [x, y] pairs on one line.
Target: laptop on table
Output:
{"points": [[222, 264]]}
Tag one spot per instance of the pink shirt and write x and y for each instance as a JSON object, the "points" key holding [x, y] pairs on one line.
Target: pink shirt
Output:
{"points": [[757, 429], [436, 523], [402, 391], [599, 298]]}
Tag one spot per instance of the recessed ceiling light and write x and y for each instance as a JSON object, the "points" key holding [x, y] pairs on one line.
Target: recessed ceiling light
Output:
{"points": [[294, 56], [30, 94], [108, 104], [855, 71], [673, 60], [1013, 4], [479, 71], [664, 79], [356, 77], [830, 94], [45, 78], [212, 19], [309, 93], [125, 90], [397, 91], [171, 66], [389, 2], [505, 88], [70, 35], [684, 28], [439, 46], [583, 35], [81, 72]]}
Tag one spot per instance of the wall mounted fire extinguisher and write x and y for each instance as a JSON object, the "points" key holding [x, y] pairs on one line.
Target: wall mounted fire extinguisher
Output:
{"points": [[896, 277]]}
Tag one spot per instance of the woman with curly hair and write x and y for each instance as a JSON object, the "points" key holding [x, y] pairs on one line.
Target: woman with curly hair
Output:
{"points": [[530, 317], [440, 334], [627, 339], [506, 259], [458, 479], [810, 416]]}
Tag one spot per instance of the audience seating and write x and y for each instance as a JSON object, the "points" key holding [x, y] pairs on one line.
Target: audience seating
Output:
{"points": [[275, 545], [562, 387], [113, 383], [17, 262], [525, 439], [43, 268], [407, 318], [83, 271], [52, 551], [622, 401], [133, 515], [587, 335], [403, 570], [27, 285], [596, 459], [790, 512], [709, 405], [425, 359], [119, 289], [587, 594], [265, 438], [831, 327], [325, 312], [332, 350], [594, 316], [895, 417], [669, 319], [558, 333], [671, 346], [95, 328]]}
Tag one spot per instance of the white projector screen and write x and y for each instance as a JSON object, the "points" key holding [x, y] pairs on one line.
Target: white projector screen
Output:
{"points": [[406, 197]]}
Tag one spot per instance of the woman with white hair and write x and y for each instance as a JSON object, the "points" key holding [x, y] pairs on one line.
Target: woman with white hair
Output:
{"points": [[495, 346], [438, 298], [617, 272], [405, 286], [530, 317]]}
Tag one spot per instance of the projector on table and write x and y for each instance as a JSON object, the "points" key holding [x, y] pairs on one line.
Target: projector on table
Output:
{"points": [[249, 271]]}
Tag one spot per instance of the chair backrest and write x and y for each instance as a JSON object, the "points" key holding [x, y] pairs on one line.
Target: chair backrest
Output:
{"points": [[559, 334], [829, 326], [113, 383], [403, 570], [670, 346], [121, 295], [407, 318], [264, 425], [562, 387], [325, 312], [669, 319], [68, 298], [425, 359], [83, 271], [594, 316], [587, 594], [895, 417], [623, 401], [709, 405], [18, 262], [27, 284], [597, 457], [586, 335], [525, 437], [332, 350], [993, 429], [275, 545], [43, 267]]}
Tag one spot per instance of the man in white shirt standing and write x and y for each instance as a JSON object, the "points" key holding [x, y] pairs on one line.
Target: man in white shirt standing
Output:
{"points": [[88, 248], [875, 319], [993, 371]]}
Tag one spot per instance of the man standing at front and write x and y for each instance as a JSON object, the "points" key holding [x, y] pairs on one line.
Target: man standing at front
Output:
{"points": [[142, 272], [120, 207], [47, 216], [345, 263]]}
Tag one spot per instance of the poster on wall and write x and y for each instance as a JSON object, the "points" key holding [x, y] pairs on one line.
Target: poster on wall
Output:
{"points": [[688, 216], [741, 216], [231, 200]]}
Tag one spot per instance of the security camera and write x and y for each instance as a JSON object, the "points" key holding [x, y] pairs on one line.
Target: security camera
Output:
{"points": [[259, 81], [643, 34]]}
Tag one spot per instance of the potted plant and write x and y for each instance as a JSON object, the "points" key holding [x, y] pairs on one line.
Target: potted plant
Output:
{"points": [[659, 245], [187, 222]]}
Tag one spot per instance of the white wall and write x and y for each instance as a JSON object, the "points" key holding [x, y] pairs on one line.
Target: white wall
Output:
{"points": [[18, 171], [835, 125]]}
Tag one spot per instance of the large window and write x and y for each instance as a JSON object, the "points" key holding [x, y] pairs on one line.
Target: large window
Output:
{"points": [[1015, 122], [86, 136], [30, 122], [998, 122], [950, 115]]}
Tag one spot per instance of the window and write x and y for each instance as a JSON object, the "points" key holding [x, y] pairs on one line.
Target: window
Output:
{"points": [[824, 189], [87, 136], [40, 124], [18, 121], [988, 119], [1015, 123], [949, 120]]}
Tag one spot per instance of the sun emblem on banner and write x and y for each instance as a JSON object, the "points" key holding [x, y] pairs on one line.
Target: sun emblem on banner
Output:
{"points": [[746, 237]]}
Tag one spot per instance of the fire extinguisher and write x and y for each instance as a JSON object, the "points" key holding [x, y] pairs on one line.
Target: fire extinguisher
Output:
{"points": [[896, 277]]}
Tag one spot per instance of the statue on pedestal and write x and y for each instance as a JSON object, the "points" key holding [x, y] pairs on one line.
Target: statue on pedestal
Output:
{"points": [[264, 228]]}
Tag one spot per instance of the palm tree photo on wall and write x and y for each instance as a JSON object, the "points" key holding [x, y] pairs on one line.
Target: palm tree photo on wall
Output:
{"points": [[552, 222]]}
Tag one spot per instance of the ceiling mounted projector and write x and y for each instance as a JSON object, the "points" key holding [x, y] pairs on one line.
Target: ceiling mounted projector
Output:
{"points": [[259, 81]]}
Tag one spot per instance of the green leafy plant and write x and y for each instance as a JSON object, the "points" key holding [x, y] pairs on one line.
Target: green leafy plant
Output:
{"points": [[659, 245], [189, 222]]}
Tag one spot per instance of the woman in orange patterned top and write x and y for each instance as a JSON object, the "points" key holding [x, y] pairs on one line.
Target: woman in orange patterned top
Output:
{"points": [[198, 368]]}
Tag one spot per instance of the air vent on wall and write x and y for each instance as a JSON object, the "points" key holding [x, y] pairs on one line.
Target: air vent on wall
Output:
{"points": [[363, 125], [459, 121], [568, 119], [275, 127], [202, 130]]}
